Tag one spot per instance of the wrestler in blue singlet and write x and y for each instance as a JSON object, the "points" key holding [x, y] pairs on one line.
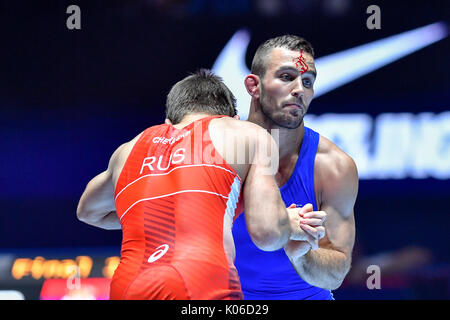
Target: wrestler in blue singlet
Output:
{"points": [[270, 275]]}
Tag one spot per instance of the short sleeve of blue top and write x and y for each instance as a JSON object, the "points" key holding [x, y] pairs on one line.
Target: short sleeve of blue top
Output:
{"points": [[270, 275]]}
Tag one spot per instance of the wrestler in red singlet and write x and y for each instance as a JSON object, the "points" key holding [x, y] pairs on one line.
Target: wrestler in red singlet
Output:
{"points": [[176, 201]]}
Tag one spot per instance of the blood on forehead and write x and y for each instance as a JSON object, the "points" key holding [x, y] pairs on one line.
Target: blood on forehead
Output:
{"points": [[300, 62]]}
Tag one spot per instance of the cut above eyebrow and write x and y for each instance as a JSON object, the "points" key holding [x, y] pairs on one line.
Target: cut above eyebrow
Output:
{"points": [[310, 71]]}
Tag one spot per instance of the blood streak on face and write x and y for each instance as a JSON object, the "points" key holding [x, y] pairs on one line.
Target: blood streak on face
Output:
{"points": [[301, 62]]}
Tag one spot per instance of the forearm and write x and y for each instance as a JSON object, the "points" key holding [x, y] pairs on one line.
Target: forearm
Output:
{"points": [[323, 268], [270, 231], [277, 226], [282, 232]]}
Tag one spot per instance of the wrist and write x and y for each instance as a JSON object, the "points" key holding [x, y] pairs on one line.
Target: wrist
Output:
{"points": [[296, 250]]}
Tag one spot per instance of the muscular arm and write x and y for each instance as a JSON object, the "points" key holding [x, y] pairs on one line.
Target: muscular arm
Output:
{"points": [[327, 266], [265, 212], [96, 206]]}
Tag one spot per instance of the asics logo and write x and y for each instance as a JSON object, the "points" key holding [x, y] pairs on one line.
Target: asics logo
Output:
{"points": [[160, 251]]}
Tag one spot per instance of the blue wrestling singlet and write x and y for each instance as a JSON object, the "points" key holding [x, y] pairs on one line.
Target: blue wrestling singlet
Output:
{"points": [[270, 275]]}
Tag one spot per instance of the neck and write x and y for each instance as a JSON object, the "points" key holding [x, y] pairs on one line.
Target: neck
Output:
{"points": [[188, 119], [289, 140]]}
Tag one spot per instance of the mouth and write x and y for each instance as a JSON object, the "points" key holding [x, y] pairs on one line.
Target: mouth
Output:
{"points": [[294, 105]]}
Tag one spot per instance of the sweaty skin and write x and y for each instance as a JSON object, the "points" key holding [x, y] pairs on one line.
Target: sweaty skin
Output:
{"points": [[269, 231], [280, 100]]}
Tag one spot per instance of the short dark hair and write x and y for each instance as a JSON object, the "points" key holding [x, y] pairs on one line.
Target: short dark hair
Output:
{"points": [[288, 41], [202, 92]]}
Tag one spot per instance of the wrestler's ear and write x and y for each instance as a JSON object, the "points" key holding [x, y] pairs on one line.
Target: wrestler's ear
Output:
{"points": [[167, 121], [251, 83]]}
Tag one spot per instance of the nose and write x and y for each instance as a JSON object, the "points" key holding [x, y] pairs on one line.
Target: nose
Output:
{"points": [[298, 90]]}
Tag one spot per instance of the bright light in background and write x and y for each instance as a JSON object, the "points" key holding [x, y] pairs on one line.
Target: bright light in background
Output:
{"points": [[11, 295], [395, 154], [340, 68], [403, 145]]}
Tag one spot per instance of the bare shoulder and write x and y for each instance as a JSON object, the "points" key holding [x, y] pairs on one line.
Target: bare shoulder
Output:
{"points": [[241, 129], [239, 125], [232, 131], [335, 173], [332, 161], [124, 149], [120, 155], [241, 143]]}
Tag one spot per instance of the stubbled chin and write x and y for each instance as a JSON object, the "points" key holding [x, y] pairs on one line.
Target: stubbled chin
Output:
{"points": [[295, 112], [290, 121]]}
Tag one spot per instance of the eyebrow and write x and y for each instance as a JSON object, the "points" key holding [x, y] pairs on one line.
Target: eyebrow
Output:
{"points": [[310, 71]]}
